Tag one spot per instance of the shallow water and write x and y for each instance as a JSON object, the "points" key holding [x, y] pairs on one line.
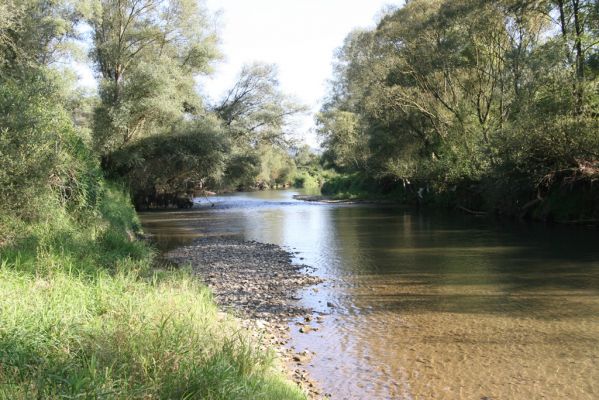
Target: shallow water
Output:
{"points": [[426, 306]]}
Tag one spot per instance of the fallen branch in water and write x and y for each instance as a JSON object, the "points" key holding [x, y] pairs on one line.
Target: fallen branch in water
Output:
{"points": [[472, 212]]}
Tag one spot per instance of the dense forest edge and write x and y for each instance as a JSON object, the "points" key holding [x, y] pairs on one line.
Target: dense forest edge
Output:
{"points": [[487, 107]]}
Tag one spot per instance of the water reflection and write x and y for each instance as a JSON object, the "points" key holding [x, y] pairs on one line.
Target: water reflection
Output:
{"points": [[427, 306]]}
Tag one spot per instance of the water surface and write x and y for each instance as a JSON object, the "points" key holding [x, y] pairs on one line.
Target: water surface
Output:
{"points": [[425, 305]]}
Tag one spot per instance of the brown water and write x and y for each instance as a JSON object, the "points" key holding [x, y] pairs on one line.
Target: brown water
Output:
{"points": [[427, 306]]}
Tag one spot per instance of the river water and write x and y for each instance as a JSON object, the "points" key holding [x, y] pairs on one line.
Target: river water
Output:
{"points": [[426, 306]]}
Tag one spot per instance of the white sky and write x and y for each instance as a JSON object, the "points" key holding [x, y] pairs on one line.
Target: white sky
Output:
{"points": [[300, 36]]}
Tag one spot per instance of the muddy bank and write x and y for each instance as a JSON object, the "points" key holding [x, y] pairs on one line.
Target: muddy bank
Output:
{"points": [[258, 283]]}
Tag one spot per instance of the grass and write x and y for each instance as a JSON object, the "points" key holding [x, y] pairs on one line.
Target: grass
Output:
{"points": [[358, 186], [84, 316]]}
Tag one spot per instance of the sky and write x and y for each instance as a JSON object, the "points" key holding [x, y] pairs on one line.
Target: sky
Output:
{"points": [[300, 36]]}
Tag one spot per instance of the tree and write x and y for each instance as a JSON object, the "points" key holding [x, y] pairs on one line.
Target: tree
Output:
{"points": [[255, 111], [579, 26], [43, 160], [344, 139], [468, 93], [161, 168], [147, 52], [257, 117], [37, 33]]}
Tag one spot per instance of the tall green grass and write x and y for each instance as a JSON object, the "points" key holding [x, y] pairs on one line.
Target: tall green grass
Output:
{"points": [[361, 186], [84, 316]]}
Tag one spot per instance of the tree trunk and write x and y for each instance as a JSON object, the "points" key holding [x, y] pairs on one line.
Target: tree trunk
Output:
{"points": [[579, 30]]}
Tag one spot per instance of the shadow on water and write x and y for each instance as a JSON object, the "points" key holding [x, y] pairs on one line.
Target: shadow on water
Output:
{"points": [[549, 305], [453, 287]]}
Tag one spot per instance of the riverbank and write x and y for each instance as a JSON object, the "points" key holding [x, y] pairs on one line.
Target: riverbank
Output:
{"points": [[86, 314], [258, 283], [570, 197]]}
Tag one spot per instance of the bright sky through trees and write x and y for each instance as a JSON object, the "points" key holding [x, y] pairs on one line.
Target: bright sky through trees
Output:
{"points": [[300, 36]]}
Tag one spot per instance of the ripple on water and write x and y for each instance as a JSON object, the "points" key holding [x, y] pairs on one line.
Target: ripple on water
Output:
{"points": [[429, 306]]}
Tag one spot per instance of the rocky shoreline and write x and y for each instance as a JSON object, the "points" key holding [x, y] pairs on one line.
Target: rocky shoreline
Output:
{"points": [[258, 283]]}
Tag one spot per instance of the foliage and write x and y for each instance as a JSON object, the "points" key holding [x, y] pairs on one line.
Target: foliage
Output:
{"points": [[255, 111], [83, 315], [347, 148], [37, 32], [180, 162], [276, 167], [459, 93], [151, 127], [147, 53], [41, 157], [243, 166], [310, 172], [257, 116]]}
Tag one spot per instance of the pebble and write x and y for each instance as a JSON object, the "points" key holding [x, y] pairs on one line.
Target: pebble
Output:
{"points": [[258, 282]]}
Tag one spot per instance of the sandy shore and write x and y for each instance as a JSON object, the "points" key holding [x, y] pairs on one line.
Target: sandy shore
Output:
{"points": [[258, 283]]}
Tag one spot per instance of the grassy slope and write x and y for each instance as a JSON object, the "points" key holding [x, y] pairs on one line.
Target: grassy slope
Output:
{"points": [[84, 316]]}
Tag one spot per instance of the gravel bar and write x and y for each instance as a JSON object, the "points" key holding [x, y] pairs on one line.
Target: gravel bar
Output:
{"points": [[258, 283]]}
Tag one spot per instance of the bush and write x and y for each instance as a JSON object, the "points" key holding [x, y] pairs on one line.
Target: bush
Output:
{"points": [[170, 164], [305, 180], [352, 185], [42, 160]]}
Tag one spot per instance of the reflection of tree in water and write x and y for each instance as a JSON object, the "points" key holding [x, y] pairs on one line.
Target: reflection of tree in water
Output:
{"points": [[414, 291], [462, 267]]}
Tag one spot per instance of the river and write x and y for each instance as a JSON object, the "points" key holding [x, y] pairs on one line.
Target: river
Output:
{"points": [[426, 305]]}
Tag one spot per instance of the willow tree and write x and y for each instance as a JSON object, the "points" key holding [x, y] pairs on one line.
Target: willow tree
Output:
{"points": [[147, 53], [255, 110], [469, 93], [37, 33], [342, 123], [258, 117]]}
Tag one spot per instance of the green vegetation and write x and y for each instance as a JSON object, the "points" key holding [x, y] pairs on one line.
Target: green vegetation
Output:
{"points": [[357, 186], [256, 115], [470, 103], [115, 337], [154, 131], [85, 312], [310, 173], [84, 315], [483, 105]]}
